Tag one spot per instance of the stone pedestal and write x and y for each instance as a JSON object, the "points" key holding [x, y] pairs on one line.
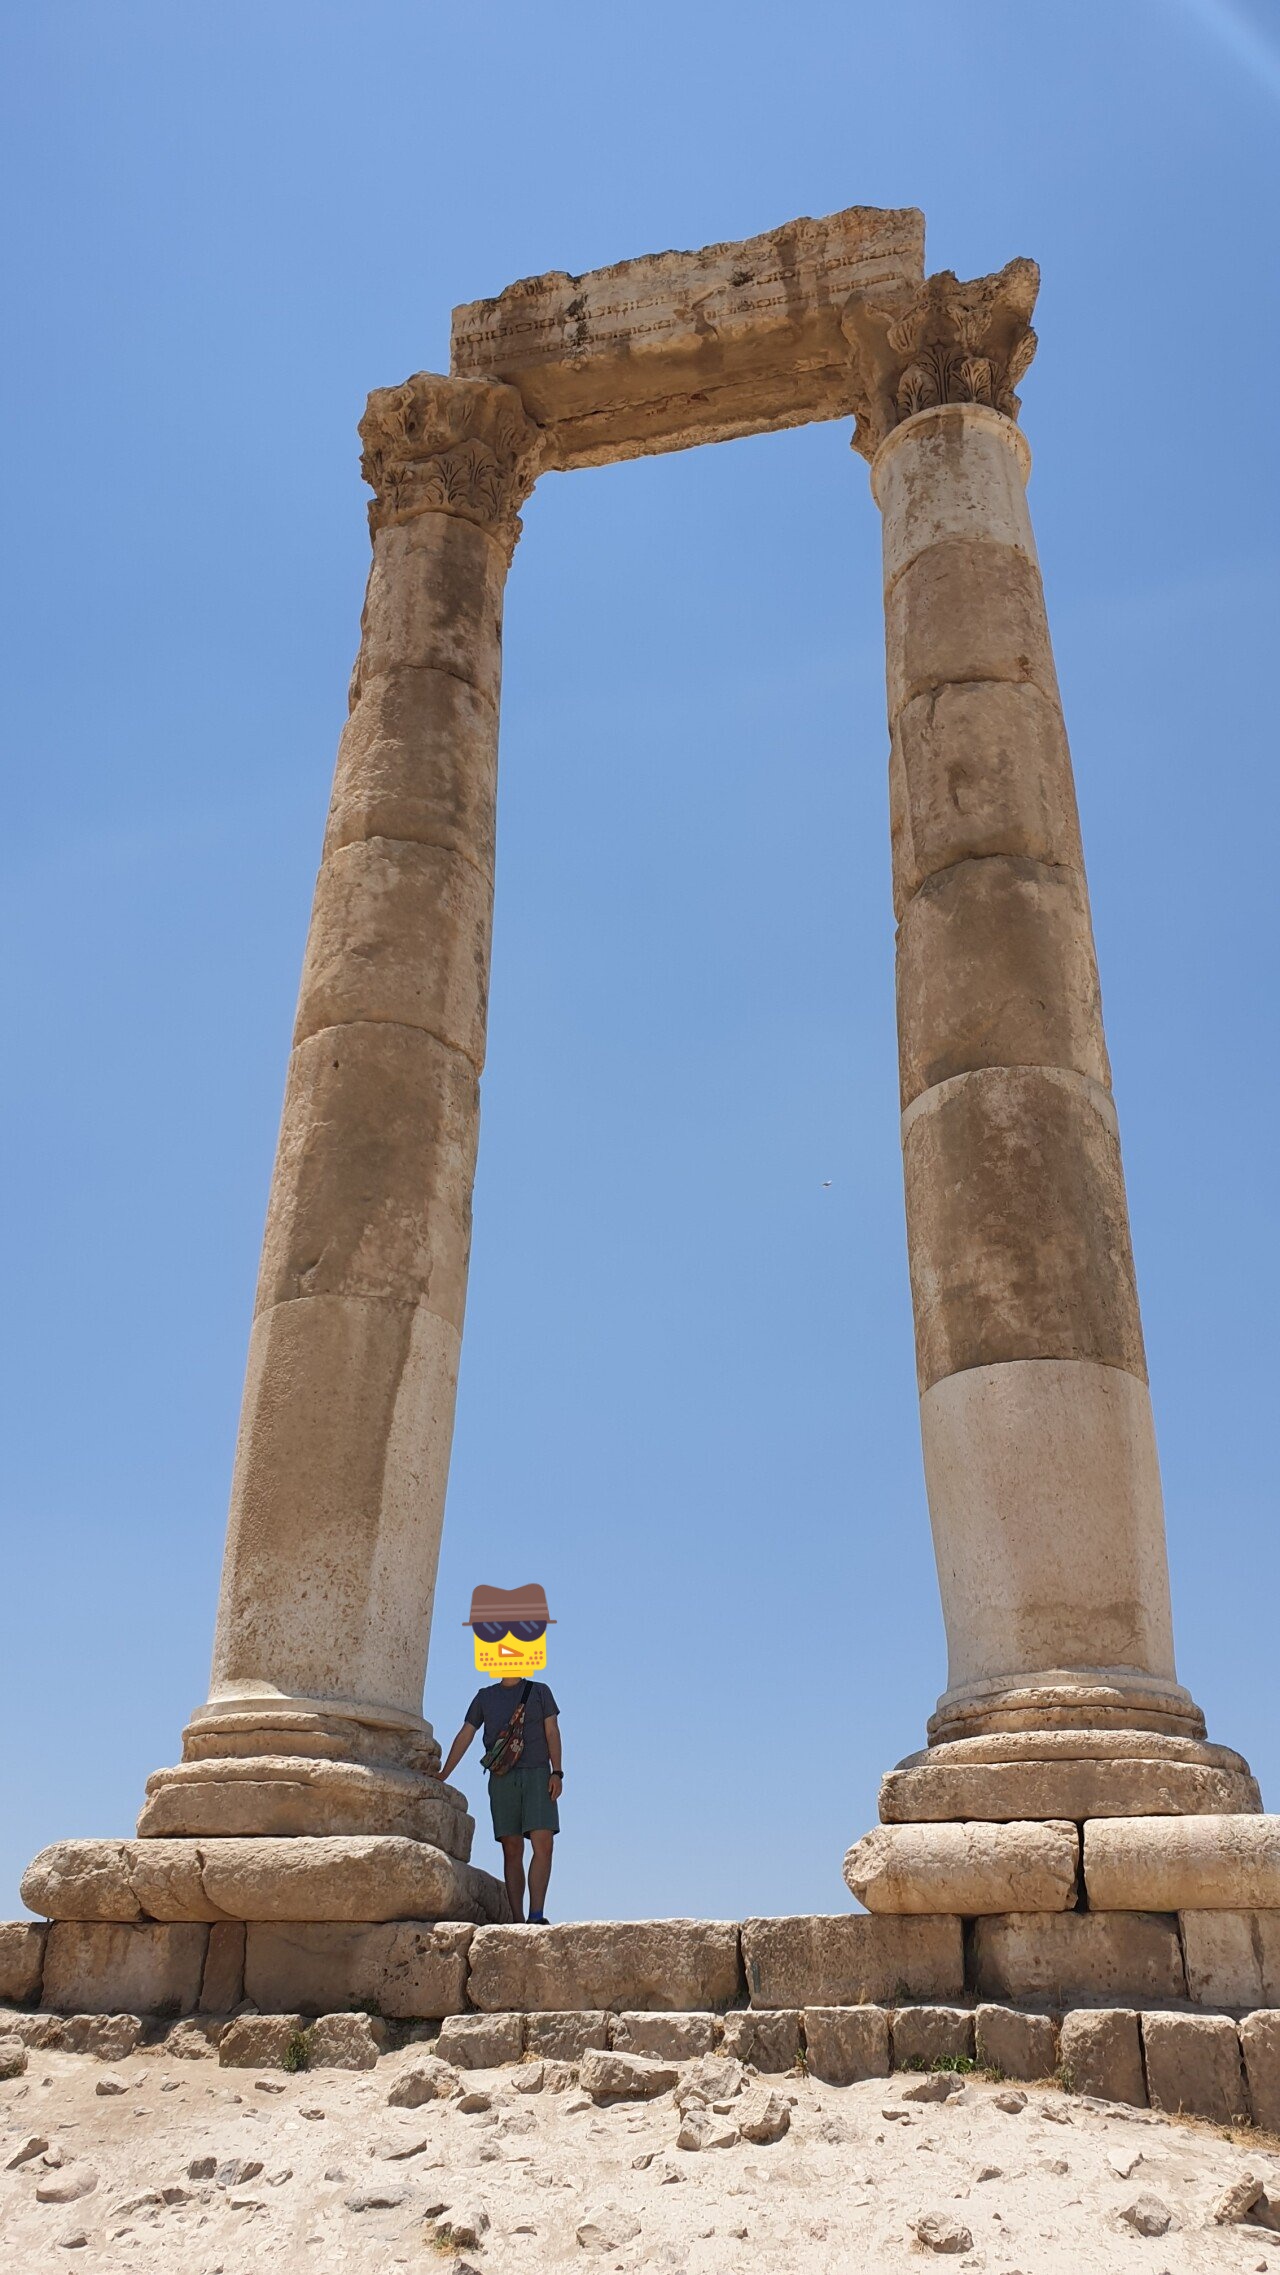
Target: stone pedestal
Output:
{"points": [[1062, 1698], [313, 1725]]}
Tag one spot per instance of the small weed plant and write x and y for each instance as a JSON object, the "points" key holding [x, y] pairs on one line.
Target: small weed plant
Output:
{"points": [[955, 2065]]}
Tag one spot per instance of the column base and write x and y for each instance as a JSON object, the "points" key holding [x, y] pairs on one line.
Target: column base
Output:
{"points": [[371, 1879], [1042, 1774], [277, 1766], [1069, 1699]]}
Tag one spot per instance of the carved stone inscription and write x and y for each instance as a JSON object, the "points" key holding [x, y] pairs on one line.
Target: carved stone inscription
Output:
{"points": [[681, 348]]}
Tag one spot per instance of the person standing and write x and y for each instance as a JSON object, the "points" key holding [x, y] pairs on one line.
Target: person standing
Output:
{"points": [[521, 1724]]}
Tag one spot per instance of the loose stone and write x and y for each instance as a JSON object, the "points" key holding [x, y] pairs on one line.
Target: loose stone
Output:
{"points": [[1147, 2216], [937, 2232]]}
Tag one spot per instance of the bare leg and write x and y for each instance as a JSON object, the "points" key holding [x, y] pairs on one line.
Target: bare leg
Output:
{"points": [[539, 1870], [513, 1872]]}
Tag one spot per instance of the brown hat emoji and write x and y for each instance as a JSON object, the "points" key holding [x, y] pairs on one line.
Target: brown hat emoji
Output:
{"points": [[509, 1605]]}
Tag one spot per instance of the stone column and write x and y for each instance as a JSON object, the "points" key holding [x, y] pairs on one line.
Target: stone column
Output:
{"points": [[313, 1722], [1040, 1455]]}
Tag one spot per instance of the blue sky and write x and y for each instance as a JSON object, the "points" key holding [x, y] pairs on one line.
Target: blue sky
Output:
{"points": [[688, 1399]]}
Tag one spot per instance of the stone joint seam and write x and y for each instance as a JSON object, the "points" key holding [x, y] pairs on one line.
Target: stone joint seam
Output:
{"points": [[1041, 1359], [360, 681], [960, 860], [430, 844], [944, 544], [380, 1302], [1063, 1077], [935, 687], [407, 1027]]}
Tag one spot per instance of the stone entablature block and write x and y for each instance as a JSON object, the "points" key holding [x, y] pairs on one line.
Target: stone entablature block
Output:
{"points": [[681, 348]]}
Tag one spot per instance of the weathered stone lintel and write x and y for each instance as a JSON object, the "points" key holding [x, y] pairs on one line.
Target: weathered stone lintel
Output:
{"points": [[679, 348]]}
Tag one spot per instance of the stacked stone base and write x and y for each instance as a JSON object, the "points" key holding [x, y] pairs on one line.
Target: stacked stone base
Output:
{"points": [[1111, 2004]]}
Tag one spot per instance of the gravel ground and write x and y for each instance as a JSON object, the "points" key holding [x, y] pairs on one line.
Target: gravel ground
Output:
{"points": [[156, 2164]]}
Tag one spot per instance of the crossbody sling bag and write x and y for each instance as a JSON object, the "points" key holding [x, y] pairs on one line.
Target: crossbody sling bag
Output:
{"points": [[508, 1746]]}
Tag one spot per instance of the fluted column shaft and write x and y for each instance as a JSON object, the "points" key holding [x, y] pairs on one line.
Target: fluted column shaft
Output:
{"points": [[1040, 1454], [339, 1483]]}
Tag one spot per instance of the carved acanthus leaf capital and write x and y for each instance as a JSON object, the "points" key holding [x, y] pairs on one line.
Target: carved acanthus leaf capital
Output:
{"points": [[457, 446], [945, 342]]}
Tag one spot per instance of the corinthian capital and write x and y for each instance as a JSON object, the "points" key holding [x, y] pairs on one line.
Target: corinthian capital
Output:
{"points": [[459, 446], [946, 342]]}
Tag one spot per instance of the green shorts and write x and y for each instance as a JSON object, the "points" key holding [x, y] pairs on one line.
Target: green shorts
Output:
{"points": [[520, 1802]]}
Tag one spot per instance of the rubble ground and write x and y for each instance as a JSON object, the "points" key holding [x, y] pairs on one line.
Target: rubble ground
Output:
{"points": [[157, 2163]]}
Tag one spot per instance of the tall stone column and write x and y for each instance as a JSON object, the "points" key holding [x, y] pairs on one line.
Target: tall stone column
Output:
{"points": [[1039, 1450], [314, 1718]]}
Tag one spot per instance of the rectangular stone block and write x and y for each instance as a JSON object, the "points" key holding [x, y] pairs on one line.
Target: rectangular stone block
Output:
{"points": [[967, 1868], [1061, 1959], [978, 769], [1194, 2066], [399, 933], [966, 610], [222, 1983], [1207, 1863], [105, 1967], [1260, 2045], [565, 2037], [1018, 1227], [680, 348], [1065, 1786], [346, 2042], [846, 2043], [1018, 2045], [922, 2036], [666, 2037], [434, 603], [418, 762], [1044, 1483], [259, 2041], [372, 1183], [21, 1961], [81, 1880], [409, 1970], [481, 2041], [996, 967], [344, 1439], [953, 480], [849, 1957], [1101, 2054], [107, 2037], [671, 1966], [1232, 1958], [769, 2040]]}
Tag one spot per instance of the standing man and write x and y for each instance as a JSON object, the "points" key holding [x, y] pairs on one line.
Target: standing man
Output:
{"points": [[520, 1720]]}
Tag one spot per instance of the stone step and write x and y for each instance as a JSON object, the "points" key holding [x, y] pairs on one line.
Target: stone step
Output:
{"points": [[424, 1970], [1214, 2066]]}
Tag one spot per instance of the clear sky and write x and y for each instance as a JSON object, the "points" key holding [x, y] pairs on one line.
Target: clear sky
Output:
{"points": [[687, 1403]]}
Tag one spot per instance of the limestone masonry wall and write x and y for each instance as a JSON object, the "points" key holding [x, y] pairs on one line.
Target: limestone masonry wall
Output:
{"points": [[1102, 2002], [416, 1971]]}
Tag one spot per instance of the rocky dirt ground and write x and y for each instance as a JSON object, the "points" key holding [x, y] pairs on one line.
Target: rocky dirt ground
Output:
{"points": [[156, 2163]]}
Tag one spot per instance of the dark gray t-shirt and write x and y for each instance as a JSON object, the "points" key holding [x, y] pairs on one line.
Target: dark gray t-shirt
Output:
{"points": [[492, 1708]]}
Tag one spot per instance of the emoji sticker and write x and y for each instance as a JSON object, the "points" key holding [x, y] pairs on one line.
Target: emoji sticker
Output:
{"points": [[509, 1626]]}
